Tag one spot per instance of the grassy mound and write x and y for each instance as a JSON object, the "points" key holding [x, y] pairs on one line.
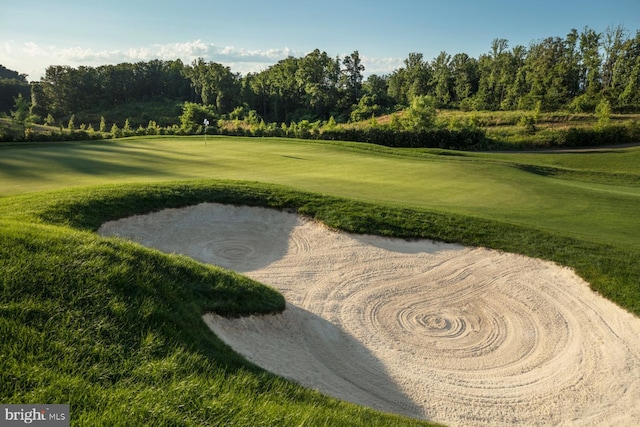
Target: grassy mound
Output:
{"points": [[115, 329]]}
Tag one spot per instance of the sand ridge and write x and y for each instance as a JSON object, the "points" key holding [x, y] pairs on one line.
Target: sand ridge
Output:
{"points": [[463, 336]]}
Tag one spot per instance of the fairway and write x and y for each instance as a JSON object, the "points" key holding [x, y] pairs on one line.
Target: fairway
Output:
{"points": [[597, 198]]}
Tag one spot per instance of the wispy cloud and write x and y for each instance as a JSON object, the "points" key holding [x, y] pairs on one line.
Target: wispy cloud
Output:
{"points": [[381, 66], [33, 59]]}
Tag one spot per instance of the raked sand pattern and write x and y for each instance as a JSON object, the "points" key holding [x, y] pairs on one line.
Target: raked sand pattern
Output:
{"points": [[462, 336]]}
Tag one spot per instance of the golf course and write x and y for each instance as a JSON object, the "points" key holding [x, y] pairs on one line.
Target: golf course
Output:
{"points": [[115, 328]]}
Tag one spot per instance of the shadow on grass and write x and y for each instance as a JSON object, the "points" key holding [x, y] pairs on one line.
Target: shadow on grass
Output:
{"points": [[95, 158]]}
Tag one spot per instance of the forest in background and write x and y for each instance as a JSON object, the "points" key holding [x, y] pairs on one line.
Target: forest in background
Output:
{"points": [[576, 73]]}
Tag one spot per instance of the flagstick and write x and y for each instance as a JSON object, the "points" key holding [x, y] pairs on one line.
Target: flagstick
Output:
{"points": [[206, 123]]}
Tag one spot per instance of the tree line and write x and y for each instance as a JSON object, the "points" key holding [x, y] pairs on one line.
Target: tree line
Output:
{"points": [[575, 72], [12, 84]]}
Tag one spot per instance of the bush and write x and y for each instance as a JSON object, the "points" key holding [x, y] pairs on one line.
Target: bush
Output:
{"points": [[421, 114], [583, 104], [607, 135], [460, 139], [193, 115], [528, 123]]}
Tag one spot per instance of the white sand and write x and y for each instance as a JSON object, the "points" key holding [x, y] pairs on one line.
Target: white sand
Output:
{"points": [[463, 336]]}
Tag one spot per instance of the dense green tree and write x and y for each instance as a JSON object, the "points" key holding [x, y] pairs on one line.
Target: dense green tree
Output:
{"points": [[572, 60], [12, 84], [318, 75], [410, 81], [38, 101], [367, 108], [274, 92], [257, 92], [496, 74], [627, 78], [375, 99], [65, 90], [215, 84], [517, 93], [8, 74], [442, 79], [193, 116], [546, 74], [352, 76], [377, 87], [603, 112], [20, 114], [421, 115], [613, 48], [591, 74], [465, 75]]}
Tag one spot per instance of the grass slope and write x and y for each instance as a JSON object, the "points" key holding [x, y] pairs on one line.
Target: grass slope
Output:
{"points": [[115, 330]]}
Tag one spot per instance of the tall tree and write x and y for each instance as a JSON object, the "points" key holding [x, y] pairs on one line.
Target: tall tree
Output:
{"points": [[376, 87], [572, 60], [591, 77], [318, 75], [464, 70], [285, 92], [20, 115], [627, 78], [613, 46], [418, 75], [442, 79], [352, 76], [215, 84], [546, 74], [494, 78], [197, 74], [411, 80], [8, 74]]}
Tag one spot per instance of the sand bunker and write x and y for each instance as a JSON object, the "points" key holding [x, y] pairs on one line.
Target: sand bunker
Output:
{"points": [[463, 336]]}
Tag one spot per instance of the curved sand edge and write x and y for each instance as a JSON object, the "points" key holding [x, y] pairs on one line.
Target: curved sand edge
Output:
{"points": [[463, 336]]}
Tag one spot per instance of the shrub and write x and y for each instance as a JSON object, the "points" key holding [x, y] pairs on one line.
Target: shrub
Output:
{"points": [[528, 123], [193, 115]]}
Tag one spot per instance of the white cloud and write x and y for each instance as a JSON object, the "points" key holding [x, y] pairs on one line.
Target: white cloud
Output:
{"points": [[380, 66], [7, 48], [190, 50]]}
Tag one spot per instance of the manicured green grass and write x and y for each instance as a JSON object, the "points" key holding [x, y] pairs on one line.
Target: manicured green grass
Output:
{"points": [[115, 329], [596, 198]]}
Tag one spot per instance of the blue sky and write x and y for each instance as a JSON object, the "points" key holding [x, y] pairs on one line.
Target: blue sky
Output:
{"points": [[250, 35]]}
